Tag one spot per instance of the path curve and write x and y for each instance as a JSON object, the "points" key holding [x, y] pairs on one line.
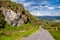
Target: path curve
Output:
{"points": [[41, 34]]}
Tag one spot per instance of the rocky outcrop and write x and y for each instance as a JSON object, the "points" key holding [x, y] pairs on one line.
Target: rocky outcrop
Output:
{"points": [[15, 14], [11, 17]]}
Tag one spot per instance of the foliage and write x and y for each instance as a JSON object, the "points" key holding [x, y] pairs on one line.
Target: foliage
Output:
{"points": [[14, 33], [54, 29], [10, 32], [32, 19], [55, 34]]}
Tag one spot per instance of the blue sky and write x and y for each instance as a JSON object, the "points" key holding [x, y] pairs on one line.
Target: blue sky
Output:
{"points": [[41, 7]]}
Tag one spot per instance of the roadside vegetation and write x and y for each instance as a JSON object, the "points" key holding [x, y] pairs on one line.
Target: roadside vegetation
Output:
{"points": [[53, 28], [16, 33]]}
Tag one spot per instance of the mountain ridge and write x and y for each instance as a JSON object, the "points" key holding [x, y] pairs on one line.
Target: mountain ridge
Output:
{"points": [[49, 17]]}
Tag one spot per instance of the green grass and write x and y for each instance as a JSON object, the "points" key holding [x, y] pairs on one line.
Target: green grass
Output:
{"points": [[16, 33], [55, 34], [51, 27]]}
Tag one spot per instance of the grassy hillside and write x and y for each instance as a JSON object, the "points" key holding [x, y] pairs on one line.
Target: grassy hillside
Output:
{"points": [[19, 8], [53, 28], [9, 32]]}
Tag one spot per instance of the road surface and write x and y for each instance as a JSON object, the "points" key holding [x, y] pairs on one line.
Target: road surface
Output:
{"points": [[41, 34]]}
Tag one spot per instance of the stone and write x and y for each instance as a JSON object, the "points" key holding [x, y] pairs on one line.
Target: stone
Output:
{"points": [[11, 17]]}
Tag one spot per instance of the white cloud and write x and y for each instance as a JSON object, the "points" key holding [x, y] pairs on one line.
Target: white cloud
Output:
{"points": [[28, 4], [19, 1], [50, 8], [38, 13], [59, 7], [37, 10], [56, 13]]}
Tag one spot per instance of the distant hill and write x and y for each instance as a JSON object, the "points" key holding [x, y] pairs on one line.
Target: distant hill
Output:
{"points": [[49, 17]]}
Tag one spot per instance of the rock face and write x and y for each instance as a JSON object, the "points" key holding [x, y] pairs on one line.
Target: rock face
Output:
{"points": [[15, 14], [11, 17]]}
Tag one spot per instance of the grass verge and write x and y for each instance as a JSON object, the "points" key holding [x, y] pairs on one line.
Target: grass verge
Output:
{"points": [[55, 34], [16, 33]]}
